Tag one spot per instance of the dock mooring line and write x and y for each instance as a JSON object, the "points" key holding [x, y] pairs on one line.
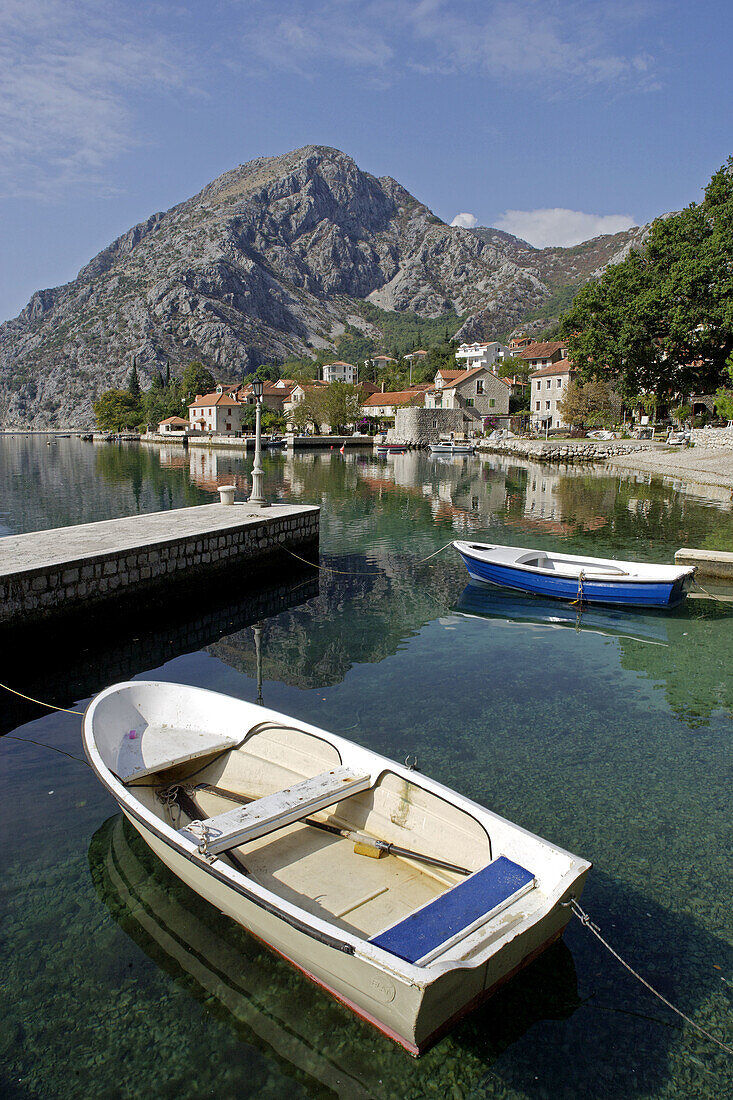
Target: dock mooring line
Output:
{"points": [[371, 573], [585, 920], [40, 702]]}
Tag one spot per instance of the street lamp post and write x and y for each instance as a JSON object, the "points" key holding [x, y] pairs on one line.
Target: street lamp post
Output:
{"points": [[256, 496]]}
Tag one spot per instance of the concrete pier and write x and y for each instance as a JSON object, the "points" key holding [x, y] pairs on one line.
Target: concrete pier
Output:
{"points": [[710, 563], [47, 573]]}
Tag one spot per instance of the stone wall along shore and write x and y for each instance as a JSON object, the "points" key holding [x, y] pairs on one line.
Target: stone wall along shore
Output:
{"points": [[567, 451]]}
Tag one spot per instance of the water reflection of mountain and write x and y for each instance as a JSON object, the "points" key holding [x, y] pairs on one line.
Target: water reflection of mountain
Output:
{"points": [[321, 1045]]}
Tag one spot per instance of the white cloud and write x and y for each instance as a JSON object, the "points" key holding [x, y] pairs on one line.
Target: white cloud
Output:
{"points": [[545, 228], [552, 46], [68, 69], [465, 221]]}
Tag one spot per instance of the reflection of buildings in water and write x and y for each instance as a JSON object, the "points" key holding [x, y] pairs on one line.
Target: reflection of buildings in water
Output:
{"points": [[210, 468], [552, 502], [172, 457]]}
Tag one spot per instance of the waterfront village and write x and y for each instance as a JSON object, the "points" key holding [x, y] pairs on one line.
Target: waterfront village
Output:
{"points": [[524, 386]]}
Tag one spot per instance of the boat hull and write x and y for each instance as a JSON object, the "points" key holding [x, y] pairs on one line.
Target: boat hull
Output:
{"points": [[621, 592], [413, 1014]]}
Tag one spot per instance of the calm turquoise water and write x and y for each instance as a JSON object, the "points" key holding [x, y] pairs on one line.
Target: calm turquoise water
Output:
{"points": [[609, 735]]}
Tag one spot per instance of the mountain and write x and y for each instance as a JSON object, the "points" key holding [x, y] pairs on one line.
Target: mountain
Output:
{"points": [[273, 259]]}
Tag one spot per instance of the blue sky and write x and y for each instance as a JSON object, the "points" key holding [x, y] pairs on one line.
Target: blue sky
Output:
{"points": [[553, 119]]}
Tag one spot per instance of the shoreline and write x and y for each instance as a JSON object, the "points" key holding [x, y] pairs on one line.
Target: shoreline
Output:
{"points": [[709, 467]]}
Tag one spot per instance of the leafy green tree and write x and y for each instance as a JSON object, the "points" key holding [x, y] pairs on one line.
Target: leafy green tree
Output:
{"points": [[514, 367], [662, 319], [593, 404], [197, 379], [340, 403], [117, 411]]}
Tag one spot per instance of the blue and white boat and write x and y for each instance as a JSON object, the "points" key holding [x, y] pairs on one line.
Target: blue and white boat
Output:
{"points": [[569, 577]]}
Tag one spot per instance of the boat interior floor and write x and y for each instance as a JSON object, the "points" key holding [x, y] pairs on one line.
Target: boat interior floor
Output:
{"points": [[321, 873]]}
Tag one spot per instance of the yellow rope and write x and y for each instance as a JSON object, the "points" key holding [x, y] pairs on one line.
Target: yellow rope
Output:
{"points": [[371, 573], [40, 701]]}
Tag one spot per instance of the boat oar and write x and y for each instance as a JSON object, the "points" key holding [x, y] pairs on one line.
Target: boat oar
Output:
{"points": [[370, 845]]}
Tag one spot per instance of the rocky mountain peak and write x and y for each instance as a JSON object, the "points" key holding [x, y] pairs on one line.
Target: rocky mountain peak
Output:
{"points": [[270, 259]]}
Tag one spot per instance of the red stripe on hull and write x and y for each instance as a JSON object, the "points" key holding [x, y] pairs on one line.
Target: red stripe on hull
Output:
{"points": [[439, 1032]]}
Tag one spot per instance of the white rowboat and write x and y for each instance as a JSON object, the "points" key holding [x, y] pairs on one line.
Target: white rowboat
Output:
{"points": [[273, 821]]}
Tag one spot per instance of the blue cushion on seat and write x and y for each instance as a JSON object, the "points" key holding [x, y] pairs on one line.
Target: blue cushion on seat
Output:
{"points": [[466, 902]]}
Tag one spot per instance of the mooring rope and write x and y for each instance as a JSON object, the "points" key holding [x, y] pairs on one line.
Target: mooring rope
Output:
{"points": [[709, 595], [372, 573], [585, 920], [41, 702]]}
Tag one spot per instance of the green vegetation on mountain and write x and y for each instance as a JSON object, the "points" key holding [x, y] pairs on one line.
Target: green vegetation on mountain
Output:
{"points": [[662, 319]]}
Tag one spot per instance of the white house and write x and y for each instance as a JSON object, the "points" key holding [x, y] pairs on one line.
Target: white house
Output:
{"points": [[220, 413], [547, 388], [340, 372], [173, 425], [482, 355]]}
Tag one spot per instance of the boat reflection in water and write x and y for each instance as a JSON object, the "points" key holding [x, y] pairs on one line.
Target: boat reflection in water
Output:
{"points": [[515, 607], [327, 1049]]}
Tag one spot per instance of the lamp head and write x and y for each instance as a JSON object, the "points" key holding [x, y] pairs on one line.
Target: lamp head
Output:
{"points": [[257, 388]]}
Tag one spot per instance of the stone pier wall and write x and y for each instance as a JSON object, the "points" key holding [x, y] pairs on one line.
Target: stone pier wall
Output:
{"points": [[88, 580]]}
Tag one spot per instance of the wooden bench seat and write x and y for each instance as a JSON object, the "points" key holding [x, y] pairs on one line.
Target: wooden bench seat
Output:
{"points": [[156, 748], [265, 815], [451, 916]]}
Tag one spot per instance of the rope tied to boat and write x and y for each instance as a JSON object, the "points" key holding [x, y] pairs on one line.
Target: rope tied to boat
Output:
{"points": [[370, 573], [579, 598], [586, 921]]}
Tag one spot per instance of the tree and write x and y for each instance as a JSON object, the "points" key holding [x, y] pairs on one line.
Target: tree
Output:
{"points": [[197, 379], [133, 382], [724, 396], [340, 404], [117, 411], [593, 404], [662, 320], [514, 367]]}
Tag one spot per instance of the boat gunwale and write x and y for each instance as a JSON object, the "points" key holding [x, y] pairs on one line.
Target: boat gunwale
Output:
{"points": [[301, 919], [676, 573]]}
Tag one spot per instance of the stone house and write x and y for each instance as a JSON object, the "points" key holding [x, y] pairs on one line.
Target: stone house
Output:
{"points": [[478, 392], [385, 405]]}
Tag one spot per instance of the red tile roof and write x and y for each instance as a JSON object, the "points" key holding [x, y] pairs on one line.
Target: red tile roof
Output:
{"points": [[401, 397], [463, 375], [174, 420], [541, 351], [563, 366], [213, 399]]}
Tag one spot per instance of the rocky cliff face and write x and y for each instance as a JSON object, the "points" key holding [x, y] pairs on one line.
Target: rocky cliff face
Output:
{"points": [[267, 261]]}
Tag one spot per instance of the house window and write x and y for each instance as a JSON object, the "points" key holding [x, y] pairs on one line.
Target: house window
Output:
{"points": [[538, 406], [469, 402], [549, 383], [435, 423], [559, 383], [547, 404], [480, 386], [492, 402]]}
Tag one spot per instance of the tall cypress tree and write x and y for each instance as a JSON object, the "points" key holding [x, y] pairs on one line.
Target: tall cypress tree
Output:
{"points": [[133, 382]]}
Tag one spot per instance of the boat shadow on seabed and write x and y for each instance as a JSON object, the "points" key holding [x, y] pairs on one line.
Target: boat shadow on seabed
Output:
{"points": [[329, 1052]]}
